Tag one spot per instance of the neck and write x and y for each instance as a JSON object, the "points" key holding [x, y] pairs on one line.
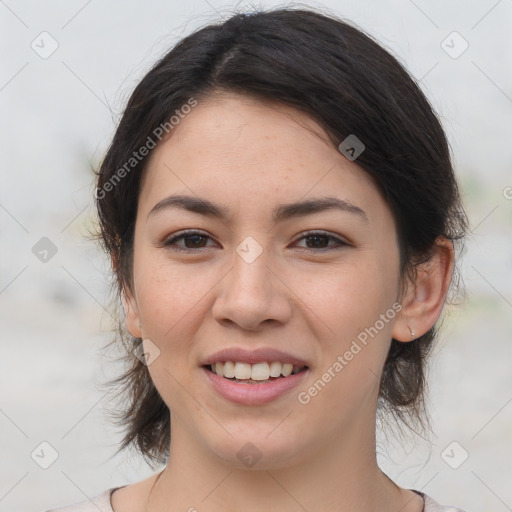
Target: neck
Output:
{"points": [[338, 475]]}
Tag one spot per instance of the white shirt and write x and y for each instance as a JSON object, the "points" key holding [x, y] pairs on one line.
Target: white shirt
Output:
{"points": [[101, 503]]}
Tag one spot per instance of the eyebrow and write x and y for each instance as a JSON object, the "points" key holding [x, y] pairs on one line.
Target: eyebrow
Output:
{"points": [[280, 213]]}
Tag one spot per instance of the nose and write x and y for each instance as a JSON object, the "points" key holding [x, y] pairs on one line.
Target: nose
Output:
{"points": [[253, 293]]}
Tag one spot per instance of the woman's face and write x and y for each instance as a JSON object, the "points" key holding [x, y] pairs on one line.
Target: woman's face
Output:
{"points": [[250, 284]]}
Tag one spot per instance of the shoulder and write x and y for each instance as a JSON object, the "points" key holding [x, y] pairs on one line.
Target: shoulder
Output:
{"points": [[125, 498], [101, 503], [432, 505]]}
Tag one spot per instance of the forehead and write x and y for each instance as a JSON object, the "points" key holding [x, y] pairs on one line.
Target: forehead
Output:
{"points": [[240, 149], [229, 130]]}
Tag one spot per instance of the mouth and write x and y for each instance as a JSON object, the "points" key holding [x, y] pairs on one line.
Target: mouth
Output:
{"points": [[258, 373], [254, 384], [254, 377]]}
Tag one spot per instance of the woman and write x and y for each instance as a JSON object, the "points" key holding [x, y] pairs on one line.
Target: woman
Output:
{"points": [[281, 213]]}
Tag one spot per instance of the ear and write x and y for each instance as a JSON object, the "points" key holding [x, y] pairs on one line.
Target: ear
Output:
{"points": [[425, 297], [131, 311]]}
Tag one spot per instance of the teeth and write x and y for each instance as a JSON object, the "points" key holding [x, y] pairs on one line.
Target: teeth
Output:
{"points": [[275, 369], [258, 371], [229, 369], [242, 371]]}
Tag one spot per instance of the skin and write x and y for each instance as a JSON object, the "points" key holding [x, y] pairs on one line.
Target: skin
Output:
{"points": [[249, 157]]}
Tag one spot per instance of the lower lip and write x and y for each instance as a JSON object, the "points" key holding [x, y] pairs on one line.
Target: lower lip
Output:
{"points": [[253, 394]]}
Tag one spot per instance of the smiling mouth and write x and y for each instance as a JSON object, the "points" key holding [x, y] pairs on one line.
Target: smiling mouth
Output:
{"points": [[259, 373]]}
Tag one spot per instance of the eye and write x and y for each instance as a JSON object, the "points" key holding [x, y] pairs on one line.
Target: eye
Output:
{"points": [[318, 238], [196, 238]]}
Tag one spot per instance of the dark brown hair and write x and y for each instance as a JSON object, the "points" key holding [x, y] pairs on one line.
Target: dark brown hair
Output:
{"points": [[349, 84]]}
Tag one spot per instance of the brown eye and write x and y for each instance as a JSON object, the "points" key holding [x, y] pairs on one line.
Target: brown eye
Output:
{"points": [[318, 241], [193, 240]]}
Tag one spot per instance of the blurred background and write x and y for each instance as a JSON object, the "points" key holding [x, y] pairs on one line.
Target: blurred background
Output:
{"points": [[67, 71]]}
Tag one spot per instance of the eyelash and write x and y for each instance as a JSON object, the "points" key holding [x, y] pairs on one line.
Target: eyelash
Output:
{"points": [[306, 234]]}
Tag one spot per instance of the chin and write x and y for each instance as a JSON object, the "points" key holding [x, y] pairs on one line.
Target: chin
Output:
{"points": [[256, 449]]}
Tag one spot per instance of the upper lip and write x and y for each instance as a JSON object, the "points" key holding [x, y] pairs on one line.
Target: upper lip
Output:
{"points": [[259, 355]]}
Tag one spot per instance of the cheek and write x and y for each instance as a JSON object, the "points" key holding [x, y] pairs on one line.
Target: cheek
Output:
{"points": [[170, 302], [358, 309], [355, 296], [168, 292]]}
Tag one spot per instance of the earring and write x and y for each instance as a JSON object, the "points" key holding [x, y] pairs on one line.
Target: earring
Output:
{"points": [[411, 331]]}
